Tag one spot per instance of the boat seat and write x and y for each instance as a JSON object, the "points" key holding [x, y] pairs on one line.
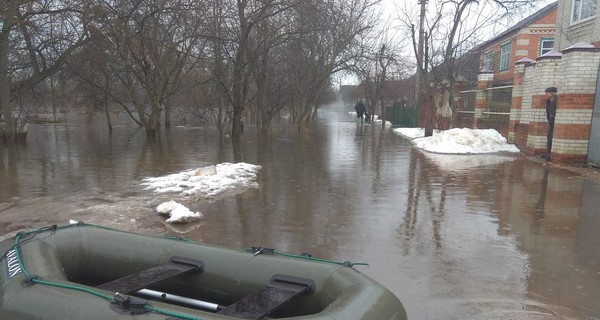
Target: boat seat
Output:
{"points": [[263, 302], [132, 283]]}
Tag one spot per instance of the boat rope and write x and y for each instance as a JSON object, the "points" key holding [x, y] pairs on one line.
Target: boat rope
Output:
{"points": [[260, 250], [50, 283], [72, 287], [300, 256], [36, 280]]}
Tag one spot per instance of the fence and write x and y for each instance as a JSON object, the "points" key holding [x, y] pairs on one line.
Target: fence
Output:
{"points": [[496, 115], [402, 115], [465, 108]]}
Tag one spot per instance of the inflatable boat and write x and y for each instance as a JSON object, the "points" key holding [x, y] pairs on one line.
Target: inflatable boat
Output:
{"points": [[84, 271]]}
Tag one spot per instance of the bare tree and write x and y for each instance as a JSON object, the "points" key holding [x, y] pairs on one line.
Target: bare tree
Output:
{"points": [[273, 91], [215, 91], [150, 47], [451, 28], [383, 60], [331, 44], [36, 37], [249, 50]]}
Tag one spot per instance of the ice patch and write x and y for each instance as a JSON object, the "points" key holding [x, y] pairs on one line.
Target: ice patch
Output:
{"points": [[177, 212], [210, 181]]}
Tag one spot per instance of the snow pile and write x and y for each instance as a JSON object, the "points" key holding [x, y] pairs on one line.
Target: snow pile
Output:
{"points": [[177, 212], [208, 181], [465, 162], [459, 141]]}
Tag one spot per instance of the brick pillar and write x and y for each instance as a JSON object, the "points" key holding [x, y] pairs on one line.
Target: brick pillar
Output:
{"points": [[547, 71], [517, 98], [575, 103], [484, 81]]}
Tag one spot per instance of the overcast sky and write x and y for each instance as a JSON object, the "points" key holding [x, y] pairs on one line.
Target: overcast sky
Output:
{"points": [[390, 13]]}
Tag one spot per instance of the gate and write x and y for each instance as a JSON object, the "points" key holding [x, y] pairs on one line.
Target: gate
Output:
{"points": [[594, 144]]}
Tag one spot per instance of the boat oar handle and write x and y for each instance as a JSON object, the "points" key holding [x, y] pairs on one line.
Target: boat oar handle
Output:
{"points": [[167, 297]]}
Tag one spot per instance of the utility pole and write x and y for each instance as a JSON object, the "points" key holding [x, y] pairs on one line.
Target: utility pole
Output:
{"points": [[423, 4], [421, 70]]}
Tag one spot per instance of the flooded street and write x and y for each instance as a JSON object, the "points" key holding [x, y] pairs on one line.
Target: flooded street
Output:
{"points": [[453, 236]]}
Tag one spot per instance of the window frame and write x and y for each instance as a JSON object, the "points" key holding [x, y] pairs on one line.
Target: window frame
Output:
{"points": [[505, 65], [542, 41], [576, 20], [488, 61]]}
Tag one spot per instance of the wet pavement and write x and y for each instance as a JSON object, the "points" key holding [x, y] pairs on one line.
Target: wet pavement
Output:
{"points": [[497, 236]]}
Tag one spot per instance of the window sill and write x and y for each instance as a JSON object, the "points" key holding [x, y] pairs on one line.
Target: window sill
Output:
{"points": [[582, 22]]}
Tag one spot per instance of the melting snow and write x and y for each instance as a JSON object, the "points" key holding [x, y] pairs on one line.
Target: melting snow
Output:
{"points": [[458, 141], [213, 181], [208, 181], [177, 212]]}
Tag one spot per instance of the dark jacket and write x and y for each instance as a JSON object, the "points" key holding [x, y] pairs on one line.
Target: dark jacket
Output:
{"points": [[360, 109], [551, 108]]}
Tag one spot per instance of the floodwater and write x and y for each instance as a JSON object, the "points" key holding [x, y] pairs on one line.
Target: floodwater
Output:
{"points": [[453, 236]]}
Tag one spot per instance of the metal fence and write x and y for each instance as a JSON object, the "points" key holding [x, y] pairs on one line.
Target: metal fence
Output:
{"points": [[498, 106], [466, 103]]}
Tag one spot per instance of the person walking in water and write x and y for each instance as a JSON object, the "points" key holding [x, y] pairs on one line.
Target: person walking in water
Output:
{"points": [[551, 99], [360, 110]]}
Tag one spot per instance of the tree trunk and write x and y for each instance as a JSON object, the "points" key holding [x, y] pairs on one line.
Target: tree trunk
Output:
{"points": [[427, 104], [152, 124], [107, 113], [10, 124], [151, 127], [383, 117], [236, 123], [167, 115], [237, 87], [265, 128]]}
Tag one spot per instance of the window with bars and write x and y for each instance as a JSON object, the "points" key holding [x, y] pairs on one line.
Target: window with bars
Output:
{"points": [[505, 56], [582, 10], [546, 44]]}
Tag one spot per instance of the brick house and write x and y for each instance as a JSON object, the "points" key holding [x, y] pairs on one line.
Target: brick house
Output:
{"points": [[531, 37], [572, 67], [579, 21]]}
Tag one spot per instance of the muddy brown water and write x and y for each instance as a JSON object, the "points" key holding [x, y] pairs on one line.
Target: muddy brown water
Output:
{"points": [[453, 236]]}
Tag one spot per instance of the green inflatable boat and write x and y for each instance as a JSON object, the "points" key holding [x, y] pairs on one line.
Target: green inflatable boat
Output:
{"points": [[92, 272]]}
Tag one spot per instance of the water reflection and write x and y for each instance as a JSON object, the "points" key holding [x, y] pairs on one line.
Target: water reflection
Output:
{"points": [[476, 237], [540, 206]]}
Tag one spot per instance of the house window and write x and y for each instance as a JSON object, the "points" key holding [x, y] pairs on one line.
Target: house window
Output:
{"points": [[487, 61], [583, 9], [504, 56], [546, 44]]}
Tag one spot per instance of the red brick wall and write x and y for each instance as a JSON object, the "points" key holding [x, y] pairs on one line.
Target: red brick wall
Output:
{"points": [[521, 133], [572, 131], [576, 101]]}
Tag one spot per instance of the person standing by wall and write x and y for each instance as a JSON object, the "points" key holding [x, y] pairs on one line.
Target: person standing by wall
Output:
{"points": [[551, 99]]}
